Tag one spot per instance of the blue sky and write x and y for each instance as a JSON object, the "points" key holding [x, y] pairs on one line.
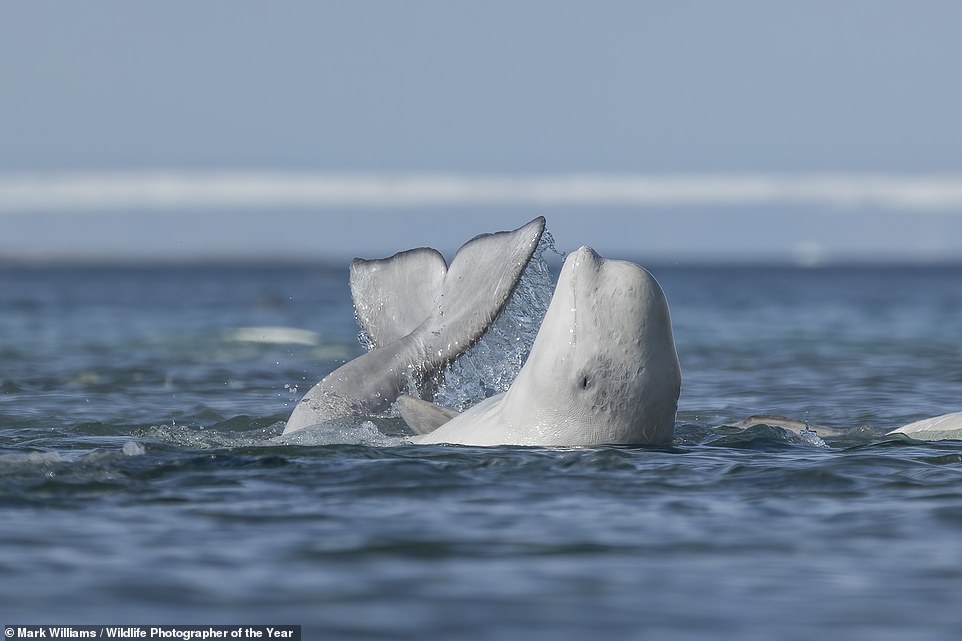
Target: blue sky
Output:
{"points": [[393, 90]]}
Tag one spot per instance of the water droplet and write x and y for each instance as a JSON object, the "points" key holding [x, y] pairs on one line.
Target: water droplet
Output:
{"points": [[133, 448], [492, 364]]}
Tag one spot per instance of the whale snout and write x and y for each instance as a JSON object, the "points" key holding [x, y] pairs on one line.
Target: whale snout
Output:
{"points": [[587, 254], [584, 260]]}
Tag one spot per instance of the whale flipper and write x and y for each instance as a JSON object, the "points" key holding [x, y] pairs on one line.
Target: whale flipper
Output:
{"points": [[392, 296], [422, 416]]}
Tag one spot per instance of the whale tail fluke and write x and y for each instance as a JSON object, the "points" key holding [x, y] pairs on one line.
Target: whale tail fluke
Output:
{"points": [[449, 308], [478, 285], [392, 296], [420, 316]]}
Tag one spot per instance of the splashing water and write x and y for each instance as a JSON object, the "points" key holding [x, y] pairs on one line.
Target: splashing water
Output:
{"points": [[489, 367], [346, 433]]}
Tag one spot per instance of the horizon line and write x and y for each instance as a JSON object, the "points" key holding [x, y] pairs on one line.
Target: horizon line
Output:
{"points": [[85, 191]]}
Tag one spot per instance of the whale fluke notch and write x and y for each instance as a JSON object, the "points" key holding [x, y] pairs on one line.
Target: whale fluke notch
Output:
{"points": [[422, 416], [392, 296]]}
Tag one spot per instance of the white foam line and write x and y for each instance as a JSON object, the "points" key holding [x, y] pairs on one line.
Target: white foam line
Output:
{"points": [[78, 192]]}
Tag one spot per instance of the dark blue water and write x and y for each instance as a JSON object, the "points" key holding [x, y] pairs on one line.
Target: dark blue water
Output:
{"points": [[141, 480]]}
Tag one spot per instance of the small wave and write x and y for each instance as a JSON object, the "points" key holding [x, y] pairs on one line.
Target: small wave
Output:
{"points": [[133, 448], [247, 432], [364, 433], [239, 431], [31, 458], [763, 436]]}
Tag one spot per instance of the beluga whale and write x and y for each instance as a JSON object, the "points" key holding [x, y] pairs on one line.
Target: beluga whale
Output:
{"points": [[419, 315], [946, 427], [602, 370]]}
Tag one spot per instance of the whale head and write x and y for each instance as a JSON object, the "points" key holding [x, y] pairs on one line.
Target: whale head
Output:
{"points": [[603, 368]]}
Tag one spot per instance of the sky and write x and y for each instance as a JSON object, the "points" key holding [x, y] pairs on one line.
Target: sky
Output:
{"points": [[673, 130]]}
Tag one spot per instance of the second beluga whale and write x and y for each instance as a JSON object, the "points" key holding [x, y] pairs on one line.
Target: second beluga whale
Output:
{"points": [[419, 315], [603, 370]]}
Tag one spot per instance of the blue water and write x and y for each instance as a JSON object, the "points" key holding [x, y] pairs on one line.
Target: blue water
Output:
{"points": [[141, 480]]}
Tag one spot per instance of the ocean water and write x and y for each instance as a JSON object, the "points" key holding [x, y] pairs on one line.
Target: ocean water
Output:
{"points": [[142, 480]]}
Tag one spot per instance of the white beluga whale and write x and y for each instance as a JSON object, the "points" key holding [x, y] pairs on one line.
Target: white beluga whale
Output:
{"points": [[603, 370], [419, 315], [947, 427]]}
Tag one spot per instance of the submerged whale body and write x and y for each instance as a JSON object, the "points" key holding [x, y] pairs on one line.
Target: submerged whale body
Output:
{"points": [[420, 315], [603, 370]]}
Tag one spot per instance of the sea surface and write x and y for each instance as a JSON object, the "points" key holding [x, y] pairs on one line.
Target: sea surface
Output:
{"points": [[143, 480]]}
